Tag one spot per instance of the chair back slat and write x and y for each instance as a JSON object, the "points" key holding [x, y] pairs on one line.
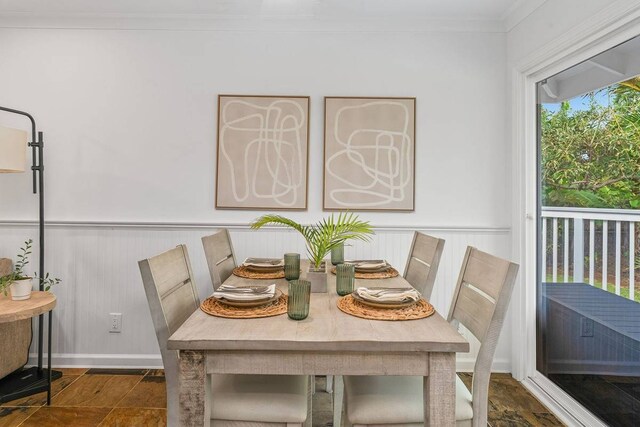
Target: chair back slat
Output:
{"points": [[422, 264], [170, 271], [178, 306], [486, 272], [220, 256], [473, 310]]}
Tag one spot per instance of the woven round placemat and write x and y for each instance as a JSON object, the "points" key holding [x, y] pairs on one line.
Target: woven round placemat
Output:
{"points": [[243, 271], [388, 273], [419, 310], [215, 308]]}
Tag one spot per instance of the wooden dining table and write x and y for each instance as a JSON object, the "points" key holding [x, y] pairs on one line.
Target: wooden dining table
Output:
{"points": [[327, 342]]}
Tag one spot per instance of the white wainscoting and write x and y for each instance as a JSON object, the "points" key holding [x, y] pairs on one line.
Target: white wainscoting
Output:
{"points": [[98, 265]]}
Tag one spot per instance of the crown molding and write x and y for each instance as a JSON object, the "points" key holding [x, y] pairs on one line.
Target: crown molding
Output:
{"points": [[518, 12], [619, 13], [509, 19], [244, 23]]}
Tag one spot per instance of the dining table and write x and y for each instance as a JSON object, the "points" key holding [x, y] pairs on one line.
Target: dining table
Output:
{"points": [[327, 342]]}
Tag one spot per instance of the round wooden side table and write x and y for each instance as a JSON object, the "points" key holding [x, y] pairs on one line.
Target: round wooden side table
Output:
{"points": [[27, 381], [39, 303]]}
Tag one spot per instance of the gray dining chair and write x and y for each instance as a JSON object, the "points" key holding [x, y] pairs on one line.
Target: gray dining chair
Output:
{"points": [[479, 303], [237, 400], [220, 256], [422, 264], [420, 271]]}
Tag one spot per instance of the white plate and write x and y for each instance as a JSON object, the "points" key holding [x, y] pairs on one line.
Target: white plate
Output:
{"points": [[249, 304]]}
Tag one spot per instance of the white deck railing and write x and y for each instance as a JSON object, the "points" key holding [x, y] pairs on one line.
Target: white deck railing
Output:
{"points": [[568, 224]]}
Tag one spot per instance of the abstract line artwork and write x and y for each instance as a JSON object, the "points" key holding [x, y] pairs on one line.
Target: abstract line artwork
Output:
{"points": [[369, 154], [262, 152]]}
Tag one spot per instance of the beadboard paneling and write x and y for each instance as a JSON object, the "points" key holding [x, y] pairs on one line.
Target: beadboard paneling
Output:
{"points": [[98, 265]]}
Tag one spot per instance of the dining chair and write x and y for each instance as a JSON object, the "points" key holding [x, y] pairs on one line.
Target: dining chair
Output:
{"points": [[479, 303], [423, 261], [220, 256], [255, 400], [221, 260], [420, 271]]}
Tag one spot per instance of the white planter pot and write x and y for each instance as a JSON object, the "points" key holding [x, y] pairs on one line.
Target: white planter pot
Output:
{"points": [[21, 289], [318, 279]]}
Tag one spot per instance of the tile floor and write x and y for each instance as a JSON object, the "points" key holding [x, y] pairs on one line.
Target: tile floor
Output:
{"points": [[510, 404], [136, 397]]}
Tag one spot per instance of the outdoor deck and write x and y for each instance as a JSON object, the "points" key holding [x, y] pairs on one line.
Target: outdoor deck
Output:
{"points": [[593, 348], [591, 331]]}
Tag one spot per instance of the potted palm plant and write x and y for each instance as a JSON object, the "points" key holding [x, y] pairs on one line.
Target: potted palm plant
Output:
{"points": [[18, 282], [320, 238]]}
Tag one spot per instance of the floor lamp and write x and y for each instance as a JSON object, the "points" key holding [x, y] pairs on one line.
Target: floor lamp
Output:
{"points": [[13, 151]]}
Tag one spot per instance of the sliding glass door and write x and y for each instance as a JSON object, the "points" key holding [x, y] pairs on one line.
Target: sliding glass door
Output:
{"points": [[588, 287]]}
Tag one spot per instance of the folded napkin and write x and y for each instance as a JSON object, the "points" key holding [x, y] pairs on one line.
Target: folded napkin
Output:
{"points": [[264, 262], [245, 293], [369, 264], [388, 294]]}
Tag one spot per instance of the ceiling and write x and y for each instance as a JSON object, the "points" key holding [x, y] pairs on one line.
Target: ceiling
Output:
{"points": [[432, 9]]}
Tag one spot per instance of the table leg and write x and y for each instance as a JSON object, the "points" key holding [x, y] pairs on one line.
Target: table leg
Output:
{"points": [[192, 388], [440, 391], [338, 396]]}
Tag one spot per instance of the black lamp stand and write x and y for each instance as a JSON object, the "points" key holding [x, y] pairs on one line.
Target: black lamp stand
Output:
{"points": [[25, 382]]}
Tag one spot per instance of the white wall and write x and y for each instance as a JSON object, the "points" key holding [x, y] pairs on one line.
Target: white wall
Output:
{"points": [[130, 116], [130, 121]]}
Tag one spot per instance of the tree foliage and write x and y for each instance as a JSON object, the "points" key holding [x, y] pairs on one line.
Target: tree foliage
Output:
{"points": [[591, 156]]}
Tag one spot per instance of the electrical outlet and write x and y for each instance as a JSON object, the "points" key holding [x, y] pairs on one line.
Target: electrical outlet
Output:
{"points": [[115, 325], [586, 327]]}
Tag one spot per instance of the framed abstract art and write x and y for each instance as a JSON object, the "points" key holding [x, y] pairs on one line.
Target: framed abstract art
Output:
{"points": [[263, 145], [369, 154]]}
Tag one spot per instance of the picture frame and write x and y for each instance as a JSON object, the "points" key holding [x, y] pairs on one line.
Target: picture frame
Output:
{"points": [[262, 152], [369, 153]]}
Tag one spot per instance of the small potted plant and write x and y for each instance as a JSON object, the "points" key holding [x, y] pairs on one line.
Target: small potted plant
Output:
{"points": [[18, 282], [321, 238]]}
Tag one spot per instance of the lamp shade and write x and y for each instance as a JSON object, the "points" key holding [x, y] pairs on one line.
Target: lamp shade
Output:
{"points": [[13, 150]]}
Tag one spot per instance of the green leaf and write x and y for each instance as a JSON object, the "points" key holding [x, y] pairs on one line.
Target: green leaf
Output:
{"points": [[325, 234]]}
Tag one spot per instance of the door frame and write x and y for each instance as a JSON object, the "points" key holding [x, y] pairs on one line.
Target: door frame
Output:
{"points": [[610, 27]]}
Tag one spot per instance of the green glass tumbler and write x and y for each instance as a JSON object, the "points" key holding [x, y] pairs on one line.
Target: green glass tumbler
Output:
{"points": [[298, 301], [291, 266], [345, 278], [337, 254]]}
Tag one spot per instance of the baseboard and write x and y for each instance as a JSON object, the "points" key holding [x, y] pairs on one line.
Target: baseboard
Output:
{"points": [[499, 365], [121, 361], [154, 361]]}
